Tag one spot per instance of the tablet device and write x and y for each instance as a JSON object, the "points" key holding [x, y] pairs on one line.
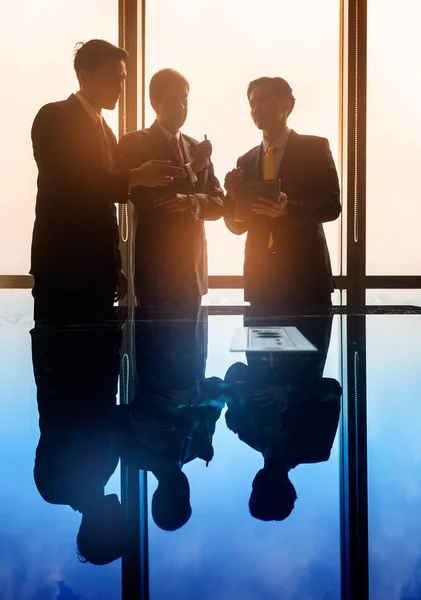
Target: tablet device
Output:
{"points": [[247, 193], [270, 339]]}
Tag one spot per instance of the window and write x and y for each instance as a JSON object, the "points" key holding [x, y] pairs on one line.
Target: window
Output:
{"points": [[37, 51], [220, 47], [393, 138]]}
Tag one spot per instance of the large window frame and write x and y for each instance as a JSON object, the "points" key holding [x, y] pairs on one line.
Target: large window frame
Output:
{"points": [[352, 156], [353, 279]]}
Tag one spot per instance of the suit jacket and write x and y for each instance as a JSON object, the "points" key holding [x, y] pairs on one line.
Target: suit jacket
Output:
{"points": [[170, 250], [75, 227], [299, 430], [299, 268]]}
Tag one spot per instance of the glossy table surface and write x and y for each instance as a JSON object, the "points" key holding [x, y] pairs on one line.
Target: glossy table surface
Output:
{"points": [[290, 475]]}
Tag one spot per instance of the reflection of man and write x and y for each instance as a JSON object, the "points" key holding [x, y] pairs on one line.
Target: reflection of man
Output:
{"points": [[76, 260], [76, 373], [287, 265], [170, 244], [174, 413], [281, 406]]}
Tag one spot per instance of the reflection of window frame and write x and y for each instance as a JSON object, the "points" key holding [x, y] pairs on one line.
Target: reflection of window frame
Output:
{"points": [[352, 159]]}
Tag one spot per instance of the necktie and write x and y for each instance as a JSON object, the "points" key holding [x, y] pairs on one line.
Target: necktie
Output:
{"points": [[175, 144], [269, 172]]}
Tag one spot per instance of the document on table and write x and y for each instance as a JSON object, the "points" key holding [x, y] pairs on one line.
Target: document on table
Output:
{"points": [[270, 339]]}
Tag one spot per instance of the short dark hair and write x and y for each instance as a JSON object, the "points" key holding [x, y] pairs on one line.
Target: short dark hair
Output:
{"points": [[280, 87], [273, 496], [171, 507], [91, 54], [162, 80]]}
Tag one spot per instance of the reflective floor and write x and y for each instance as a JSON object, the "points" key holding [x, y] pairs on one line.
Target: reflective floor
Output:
{"points": [[144, 459]]}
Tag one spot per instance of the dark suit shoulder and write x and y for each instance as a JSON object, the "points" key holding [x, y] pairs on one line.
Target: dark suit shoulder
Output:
{"points": [[52, 109], [310, 140], [140, 134], [249, 156], [191, 140], [52, 117], [136, 138]]}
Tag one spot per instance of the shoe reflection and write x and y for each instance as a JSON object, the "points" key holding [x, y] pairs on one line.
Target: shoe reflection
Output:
{"points": [[280, 405]]}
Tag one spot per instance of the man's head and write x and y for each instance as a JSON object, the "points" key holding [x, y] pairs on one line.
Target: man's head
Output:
{"points": [[273, 496], [271, 101], [171, 507], [101, 70], [102, 533], [168, 93]]}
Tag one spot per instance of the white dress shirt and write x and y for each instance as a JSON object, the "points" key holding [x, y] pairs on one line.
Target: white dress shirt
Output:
{"points": [[195, 204], [169, 136], [280, 145]]}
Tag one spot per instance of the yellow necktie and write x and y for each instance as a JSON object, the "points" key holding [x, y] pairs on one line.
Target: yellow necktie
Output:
{"points": [[269, 172]]}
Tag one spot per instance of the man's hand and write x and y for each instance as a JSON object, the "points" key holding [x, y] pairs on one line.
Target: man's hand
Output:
{"points": [[174, 204], [232, 179], [275, 209], [121, 289], [156, 173], [203, 154]]}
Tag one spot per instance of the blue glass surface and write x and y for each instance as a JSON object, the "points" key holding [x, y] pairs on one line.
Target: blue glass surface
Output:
{"points": [[223, 552], [394, 456], [220, 550], [37, 539]]}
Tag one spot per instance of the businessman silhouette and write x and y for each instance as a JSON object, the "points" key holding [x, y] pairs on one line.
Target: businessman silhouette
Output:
{"points": [[174, 412], [283, 407], [76, 374]]}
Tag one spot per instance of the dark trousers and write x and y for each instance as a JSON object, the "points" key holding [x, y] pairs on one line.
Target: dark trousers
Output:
{"points": [[72, 297], [310, 305], [186, 305]]}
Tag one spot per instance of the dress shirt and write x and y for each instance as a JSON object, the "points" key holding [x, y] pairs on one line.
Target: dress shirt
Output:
{"points": [[195, 205], [92, 112], [191, 174]]}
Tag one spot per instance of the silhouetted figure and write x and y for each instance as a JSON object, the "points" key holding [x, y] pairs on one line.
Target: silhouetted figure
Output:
{"points": [[76, 260], [171, 262], [76, 373], [280, 405], [174, 412], [287, 266]]}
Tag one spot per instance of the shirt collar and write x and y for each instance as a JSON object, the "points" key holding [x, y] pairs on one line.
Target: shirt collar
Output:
{"points": [[280, 141], [168, 134], [95, 116]]}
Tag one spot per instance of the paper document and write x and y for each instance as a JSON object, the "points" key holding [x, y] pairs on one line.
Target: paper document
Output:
{"points": [[270, 339]]}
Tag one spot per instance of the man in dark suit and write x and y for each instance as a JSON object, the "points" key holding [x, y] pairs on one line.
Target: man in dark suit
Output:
{"points": [[76, 260], [174, 413], [76, 373], [287, 264], [170, 254], [281, 405]]}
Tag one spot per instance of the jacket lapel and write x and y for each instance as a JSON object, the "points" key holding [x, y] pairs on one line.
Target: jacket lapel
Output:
{"points": [[256, 160], [187, 149], [288, 161], [162, 147]]}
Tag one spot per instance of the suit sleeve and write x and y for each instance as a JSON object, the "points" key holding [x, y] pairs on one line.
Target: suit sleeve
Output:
{"points": [[238, 228], [211, 201], [132, 154], [323, 201], [66, 175], [118, 260]]}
